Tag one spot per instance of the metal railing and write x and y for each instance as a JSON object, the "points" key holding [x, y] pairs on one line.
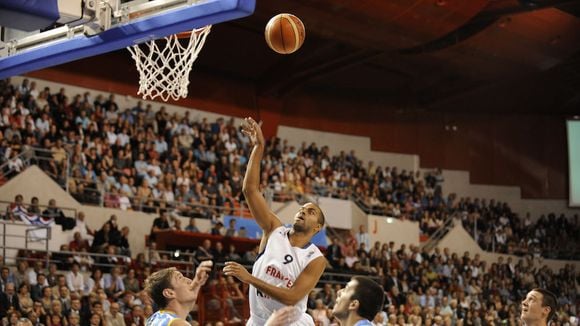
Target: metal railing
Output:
{"points": [[440, 233], [4, 212], [44, 159], [32, 233]]}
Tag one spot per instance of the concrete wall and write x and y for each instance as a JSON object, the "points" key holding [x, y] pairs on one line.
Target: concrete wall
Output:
{"points": [[459, 241], [35, 239], [458, 182], [341, 142], [385, 229], [33, 182]]}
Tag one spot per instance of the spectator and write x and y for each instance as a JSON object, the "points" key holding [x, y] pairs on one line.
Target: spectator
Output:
{"points": [[8, 300], [78, 243], [82, 227], [159, 224], [39, 284], [113, 316], [24, 299], [231, 230], [130, 282], [75, 279], [102, 238], [33, 273], [123, 242], [232, 255], [362, 237], [204, 252], [191, 227], [34, 207], [218, 229], [242, 233], [54, 213], [113, 283], [136, 317]]}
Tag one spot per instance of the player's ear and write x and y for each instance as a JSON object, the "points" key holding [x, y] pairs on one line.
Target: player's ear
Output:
{"points": [[168, 293], [318, 227], [354, 304], [547, 310]]}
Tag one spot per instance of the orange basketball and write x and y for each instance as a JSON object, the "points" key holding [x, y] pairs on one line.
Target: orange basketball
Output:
{"points": [[285, 33]]}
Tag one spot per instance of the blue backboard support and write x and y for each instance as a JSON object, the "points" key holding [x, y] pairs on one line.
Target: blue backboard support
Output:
{"points": [[124, 35]]}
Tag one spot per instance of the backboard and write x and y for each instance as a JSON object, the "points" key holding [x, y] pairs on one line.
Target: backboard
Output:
{"points": [[115, 26]]}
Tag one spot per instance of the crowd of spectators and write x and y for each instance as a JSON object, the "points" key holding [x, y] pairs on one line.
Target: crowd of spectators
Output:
{"points": [[423, 288], [95, 279], [445, 288], [146, 159], [139, 158]]}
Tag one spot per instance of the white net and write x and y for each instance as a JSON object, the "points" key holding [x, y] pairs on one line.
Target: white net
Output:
{"points": [[164, 65]]}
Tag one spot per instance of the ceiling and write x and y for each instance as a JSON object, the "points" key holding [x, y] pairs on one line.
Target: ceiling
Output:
{"points": [[408, 53]]}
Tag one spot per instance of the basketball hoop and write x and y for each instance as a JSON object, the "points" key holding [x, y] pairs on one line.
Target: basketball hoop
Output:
{"points": [[164, 68]]}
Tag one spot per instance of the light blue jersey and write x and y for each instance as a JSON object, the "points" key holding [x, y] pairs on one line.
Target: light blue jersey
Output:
{"points": [[161, 318]]}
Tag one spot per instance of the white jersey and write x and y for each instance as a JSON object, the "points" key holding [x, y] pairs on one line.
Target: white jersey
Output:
{"points": [[279, 264]]}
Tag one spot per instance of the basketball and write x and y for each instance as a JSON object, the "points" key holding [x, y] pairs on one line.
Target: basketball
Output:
{"points": [[285, 33]]}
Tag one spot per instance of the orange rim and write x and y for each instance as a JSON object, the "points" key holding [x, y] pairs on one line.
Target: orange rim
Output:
{"points": [[182, 35]]}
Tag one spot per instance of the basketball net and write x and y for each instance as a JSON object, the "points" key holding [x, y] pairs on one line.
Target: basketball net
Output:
{"points": [[164, 68]]}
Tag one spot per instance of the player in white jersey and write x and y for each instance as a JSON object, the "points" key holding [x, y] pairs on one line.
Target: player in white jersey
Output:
{"points": [[174, 294], [289, 265]]}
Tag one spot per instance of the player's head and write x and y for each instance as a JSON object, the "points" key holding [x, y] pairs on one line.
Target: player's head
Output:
{"points": [[167, 285], [539, 305], [309, 219], [362, 296]]}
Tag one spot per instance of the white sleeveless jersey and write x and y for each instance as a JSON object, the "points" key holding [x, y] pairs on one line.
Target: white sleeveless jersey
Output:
{"points": [[279, 264]]}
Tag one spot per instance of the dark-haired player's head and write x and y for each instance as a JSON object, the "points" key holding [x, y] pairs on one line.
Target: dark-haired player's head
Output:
{"points": [[539, 307], [361, 297], [309, 219]]}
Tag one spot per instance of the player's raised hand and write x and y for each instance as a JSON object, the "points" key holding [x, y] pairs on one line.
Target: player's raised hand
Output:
{"points": [[201, 274], [238, 271], [253, 130], [285, 316]]}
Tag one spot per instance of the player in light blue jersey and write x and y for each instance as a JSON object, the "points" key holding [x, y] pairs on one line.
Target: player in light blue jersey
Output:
{"points": [[174, 294], [359, 302], [356, 305]]}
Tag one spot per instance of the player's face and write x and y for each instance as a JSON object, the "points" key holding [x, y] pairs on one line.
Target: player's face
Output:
{"points": [[343, 305], [306, 219], [182, 290], [532, 309]]}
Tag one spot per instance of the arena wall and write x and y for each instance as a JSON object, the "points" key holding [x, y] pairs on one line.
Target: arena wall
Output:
{"points": [[33, 182], [459, 241]]}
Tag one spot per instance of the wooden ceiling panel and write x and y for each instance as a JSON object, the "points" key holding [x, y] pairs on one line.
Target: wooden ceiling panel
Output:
{"points": [[362, 47]]}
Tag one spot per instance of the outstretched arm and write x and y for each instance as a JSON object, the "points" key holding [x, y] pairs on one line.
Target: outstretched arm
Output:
{"points": [[267, 220], [201, 275], [288, 296]]}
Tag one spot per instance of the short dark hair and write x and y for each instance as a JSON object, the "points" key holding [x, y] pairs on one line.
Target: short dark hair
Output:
{"points": [[549, 299], [371, 297], [321, 218], [156, 283]]}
